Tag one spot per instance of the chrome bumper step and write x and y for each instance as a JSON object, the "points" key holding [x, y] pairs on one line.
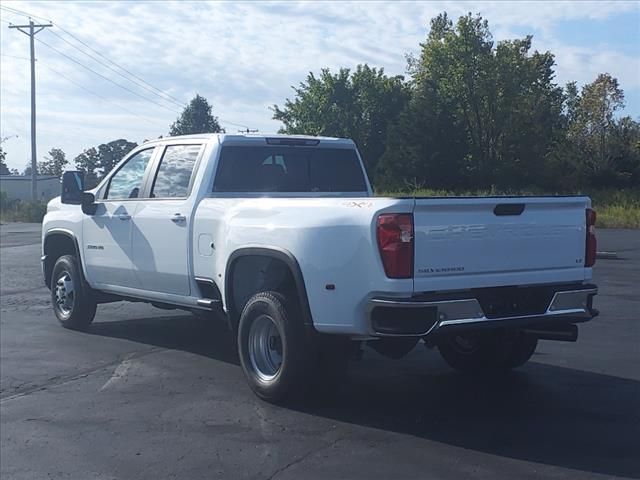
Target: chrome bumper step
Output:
{"points": [[566, 304]]}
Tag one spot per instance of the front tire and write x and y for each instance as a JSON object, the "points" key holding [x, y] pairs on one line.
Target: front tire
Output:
{"points": [[72, 302], [492, 351]]}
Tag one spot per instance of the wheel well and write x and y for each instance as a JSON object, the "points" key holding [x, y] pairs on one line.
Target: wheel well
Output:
{"points": [[55, 246], [251, 273]]}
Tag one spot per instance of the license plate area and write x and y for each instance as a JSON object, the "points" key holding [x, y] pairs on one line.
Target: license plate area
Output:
{"points": [[514, 301]]}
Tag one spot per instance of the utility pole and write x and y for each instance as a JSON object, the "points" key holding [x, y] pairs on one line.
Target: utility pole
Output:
{"points": [[604, 124], [31, 33]]}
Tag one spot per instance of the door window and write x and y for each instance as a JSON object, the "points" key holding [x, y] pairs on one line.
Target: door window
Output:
{"points": [[175, 170], [127, 181]]}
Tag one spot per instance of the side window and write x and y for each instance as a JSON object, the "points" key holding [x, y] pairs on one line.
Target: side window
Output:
{"points": [[127, 182], [174, 173]]}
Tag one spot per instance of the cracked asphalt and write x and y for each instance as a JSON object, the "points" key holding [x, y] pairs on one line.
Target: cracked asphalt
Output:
{"points": [[150, 394]]}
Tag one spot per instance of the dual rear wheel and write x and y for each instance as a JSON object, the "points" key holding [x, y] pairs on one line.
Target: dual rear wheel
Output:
{"points": [[488, 351], [283, 359]]}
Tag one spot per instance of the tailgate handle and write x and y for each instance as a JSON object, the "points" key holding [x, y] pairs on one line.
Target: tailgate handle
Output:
{"points": [[505, 209]]}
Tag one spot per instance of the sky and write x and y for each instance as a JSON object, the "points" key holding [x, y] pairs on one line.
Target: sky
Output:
{"points": [[245, 57]]}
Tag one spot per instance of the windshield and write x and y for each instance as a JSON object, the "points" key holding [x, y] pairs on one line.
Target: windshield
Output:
{"points": [[289, 169]]}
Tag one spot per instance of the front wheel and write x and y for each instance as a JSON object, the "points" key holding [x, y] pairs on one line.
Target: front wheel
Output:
{"points": [[487, 351], [72, 302]]}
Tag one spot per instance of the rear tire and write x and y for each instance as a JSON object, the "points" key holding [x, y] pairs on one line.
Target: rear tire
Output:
{"points": [[522, 349], [492, 351], [282, 358], [72, 301]]}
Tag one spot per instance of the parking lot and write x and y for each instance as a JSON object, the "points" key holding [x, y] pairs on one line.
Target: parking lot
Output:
{"points": [[148, 393]]}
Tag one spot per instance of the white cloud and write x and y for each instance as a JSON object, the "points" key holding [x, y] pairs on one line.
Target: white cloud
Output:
{"points": [[244, 57]]}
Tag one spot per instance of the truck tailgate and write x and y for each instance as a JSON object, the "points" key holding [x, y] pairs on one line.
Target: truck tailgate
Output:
{"points": [[497, 241]]}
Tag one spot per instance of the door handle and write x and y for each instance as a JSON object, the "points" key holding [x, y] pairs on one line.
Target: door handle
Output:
{"points": [[178, 218], [124, 216]]}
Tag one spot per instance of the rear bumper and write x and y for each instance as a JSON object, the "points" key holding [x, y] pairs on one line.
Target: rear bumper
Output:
{"points": [[419, 317]]}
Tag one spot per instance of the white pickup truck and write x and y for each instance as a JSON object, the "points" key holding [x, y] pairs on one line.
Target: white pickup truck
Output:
{"points": [[282, 236]]}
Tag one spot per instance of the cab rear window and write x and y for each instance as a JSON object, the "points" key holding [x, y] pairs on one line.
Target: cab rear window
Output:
{"points": [[288, 169]]}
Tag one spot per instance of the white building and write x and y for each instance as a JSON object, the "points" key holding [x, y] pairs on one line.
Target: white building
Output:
{"points": [[19, 187]]}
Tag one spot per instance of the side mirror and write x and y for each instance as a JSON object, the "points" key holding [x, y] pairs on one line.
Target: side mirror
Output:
{"points": [[72, 188], [89, 204], [73, 192]]}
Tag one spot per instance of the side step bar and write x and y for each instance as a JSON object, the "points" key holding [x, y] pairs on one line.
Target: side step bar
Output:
{"points": [[208, 303]]}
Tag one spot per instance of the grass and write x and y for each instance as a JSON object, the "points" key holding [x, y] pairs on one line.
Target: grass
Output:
{"points": [[615, 208], [20, 211], [620, 215]]}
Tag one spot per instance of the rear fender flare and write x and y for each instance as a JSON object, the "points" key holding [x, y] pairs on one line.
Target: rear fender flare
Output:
{"points": [[272, 252]]}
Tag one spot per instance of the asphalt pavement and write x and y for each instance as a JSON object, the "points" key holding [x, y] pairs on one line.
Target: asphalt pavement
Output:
{"points": [[154, 394]]}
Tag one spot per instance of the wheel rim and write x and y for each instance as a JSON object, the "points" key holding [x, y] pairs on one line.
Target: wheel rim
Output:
{"points": [[265, 348], [64, 293], [465, 344]]}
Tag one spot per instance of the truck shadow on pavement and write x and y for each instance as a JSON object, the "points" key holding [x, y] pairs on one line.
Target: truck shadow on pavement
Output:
{"points": [[541, 413], [202, 336]]}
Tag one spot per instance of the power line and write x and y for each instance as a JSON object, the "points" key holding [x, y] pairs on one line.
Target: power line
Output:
{"points": [[13, 56], [98, 95], [153, 89], [125, 77], [84, 88], [222, 120], [120, 66], [106, 65], [22, 13], [106, 78], [57, 72], [146, 85], [175, 100]]}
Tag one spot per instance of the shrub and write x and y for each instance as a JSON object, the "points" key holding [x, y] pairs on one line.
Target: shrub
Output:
{"points": [[13, 210]]}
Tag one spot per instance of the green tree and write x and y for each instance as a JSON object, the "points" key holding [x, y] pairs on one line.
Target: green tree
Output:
{"points": [[500, 98], [96, 162], [591, 127], [88, 162], [111, 153], [27, 170], [425, 147], [196, 118], [4, 170], [359, 105], [54, 164], [623, 150]]}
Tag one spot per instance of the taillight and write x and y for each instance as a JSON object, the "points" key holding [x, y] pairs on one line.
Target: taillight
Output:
{"points": [[591, 245], [395, 242]]}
